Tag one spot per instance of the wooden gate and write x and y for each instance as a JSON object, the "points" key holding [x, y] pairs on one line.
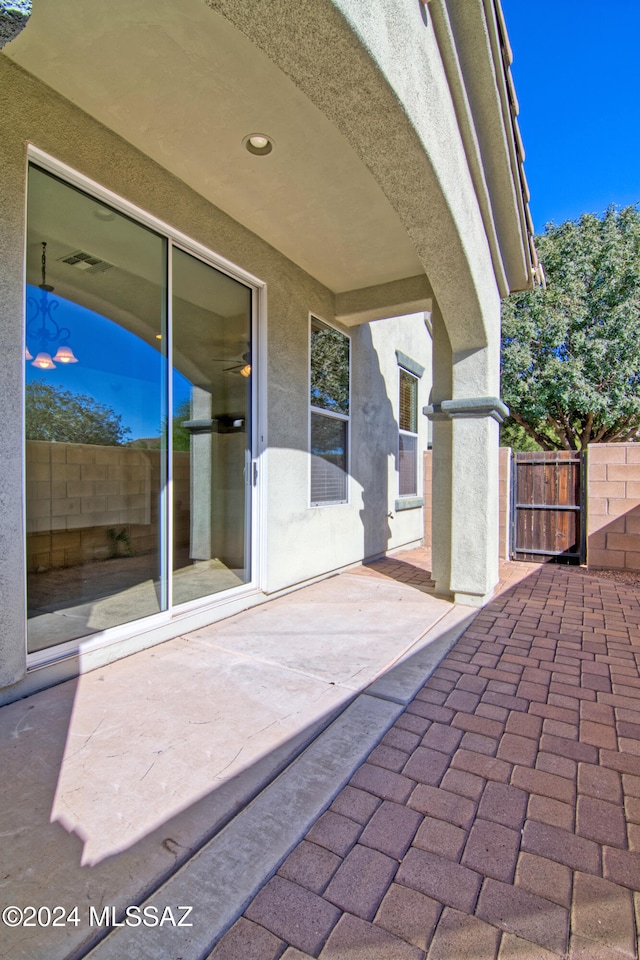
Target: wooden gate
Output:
{"points": [[548, 515]]}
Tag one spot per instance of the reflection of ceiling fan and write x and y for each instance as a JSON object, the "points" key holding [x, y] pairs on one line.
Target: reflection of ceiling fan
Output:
{"points": [[241, 367]]}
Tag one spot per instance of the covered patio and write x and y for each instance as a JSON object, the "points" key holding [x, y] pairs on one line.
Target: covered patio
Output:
{"points": [[112, 781]]}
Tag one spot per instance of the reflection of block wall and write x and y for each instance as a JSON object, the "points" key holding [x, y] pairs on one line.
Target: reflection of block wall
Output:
{"points": [[613, 505], [74, 485], [76, 492]]}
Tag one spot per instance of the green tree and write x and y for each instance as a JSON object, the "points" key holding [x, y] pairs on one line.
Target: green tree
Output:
{"points": [[53, 413], [181, 436], [329, 368], [514, 436], [571, 352]]}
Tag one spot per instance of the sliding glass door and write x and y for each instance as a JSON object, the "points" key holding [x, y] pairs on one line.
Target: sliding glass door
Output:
{"points": [[211, 429], [138, 420]]}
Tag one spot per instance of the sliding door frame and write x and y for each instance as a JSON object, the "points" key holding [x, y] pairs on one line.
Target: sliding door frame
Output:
{"points": [[254, 482]]}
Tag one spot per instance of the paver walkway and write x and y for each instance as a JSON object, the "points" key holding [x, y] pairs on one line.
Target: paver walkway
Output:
{"points": [[499, 817]]}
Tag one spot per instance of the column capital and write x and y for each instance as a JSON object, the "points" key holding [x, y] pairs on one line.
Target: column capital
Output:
{"points": [[468, 408]]}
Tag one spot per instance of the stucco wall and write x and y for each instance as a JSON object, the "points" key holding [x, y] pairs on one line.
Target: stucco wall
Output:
{"points": [[403, 45], [504, 501], [413, 152], [369, 524], [298, 543]]}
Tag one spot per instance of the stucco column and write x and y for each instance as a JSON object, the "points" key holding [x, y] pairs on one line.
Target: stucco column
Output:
{"points": [[442, 441], [465, 419]]}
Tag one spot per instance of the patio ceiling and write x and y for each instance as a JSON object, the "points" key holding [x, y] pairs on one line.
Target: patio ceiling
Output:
{"points": [[181, 84]]}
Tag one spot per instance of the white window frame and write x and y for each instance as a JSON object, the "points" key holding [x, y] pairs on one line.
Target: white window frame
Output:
{"points": [[330, 414], [408, 433]]}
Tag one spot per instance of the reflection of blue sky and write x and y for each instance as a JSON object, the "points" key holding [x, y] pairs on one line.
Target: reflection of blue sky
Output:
{"points": [[115, 367]]}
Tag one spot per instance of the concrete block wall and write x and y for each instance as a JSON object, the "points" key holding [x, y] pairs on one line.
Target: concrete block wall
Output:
{"points": [[613, 506], [428, 497], [612, 501], [504, 488]]}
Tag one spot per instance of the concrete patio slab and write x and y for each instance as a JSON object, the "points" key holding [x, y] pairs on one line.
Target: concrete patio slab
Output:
{"points": [[220, 880], [113, 780], [341, 631]]}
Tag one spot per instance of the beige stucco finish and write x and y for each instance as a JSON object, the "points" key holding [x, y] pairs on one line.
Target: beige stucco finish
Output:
{"points": [[327, 538], [391, 188]]}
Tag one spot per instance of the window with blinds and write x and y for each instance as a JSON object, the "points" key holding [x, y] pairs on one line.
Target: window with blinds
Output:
{"points": [[329, 399], [408, 435]]}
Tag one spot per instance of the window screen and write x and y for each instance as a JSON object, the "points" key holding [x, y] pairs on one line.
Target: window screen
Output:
{"points": [[328, 459], [408, 465], [408, 435]]}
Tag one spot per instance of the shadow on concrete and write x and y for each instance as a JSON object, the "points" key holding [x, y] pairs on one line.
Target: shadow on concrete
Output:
{"points": [[414, 575], [35, 736], [139, 838], [115, 779]]}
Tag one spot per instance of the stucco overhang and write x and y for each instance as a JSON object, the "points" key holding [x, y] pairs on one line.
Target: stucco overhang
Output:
{"points": [[477, 57], [395, 105], [385, 300], [368, 184], [183, 85]]}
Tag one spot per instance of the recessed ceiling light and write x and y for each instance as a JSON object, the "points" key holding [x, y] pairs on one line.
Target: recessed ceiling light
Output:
{"points": [[259, 144]]}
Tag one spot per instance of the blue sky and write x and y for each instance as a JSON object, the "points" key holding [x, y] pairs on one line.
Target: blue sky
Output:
{"points": [[114, 367], [576, 72]]}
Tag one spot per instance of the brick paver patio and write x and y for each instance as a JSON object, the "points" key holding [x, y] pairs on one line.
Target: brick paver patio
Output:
{"points": [[499, 817]]}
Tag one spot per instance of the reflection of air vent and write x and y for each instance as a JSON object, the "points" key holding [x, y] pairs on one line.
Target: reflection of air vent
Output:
{"points": [[86, 261]]}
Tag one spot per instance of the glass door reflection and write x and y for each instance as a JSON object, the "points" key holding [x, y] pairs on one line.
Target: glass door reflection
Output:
{"points": [[113, 534], [211, 386], [95, 412]]}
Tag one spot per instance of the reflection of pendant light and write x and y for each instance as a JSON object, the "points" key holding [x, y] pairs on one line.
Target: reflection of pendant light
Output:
{"points": [[43, 327], [65, 354], [44, 362]]}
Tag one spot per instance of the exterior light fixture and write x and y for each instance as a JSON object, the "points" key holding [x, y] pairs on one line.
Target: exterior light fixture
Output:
{"points": [[259, 144], [245, 371], [43, 328]]}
